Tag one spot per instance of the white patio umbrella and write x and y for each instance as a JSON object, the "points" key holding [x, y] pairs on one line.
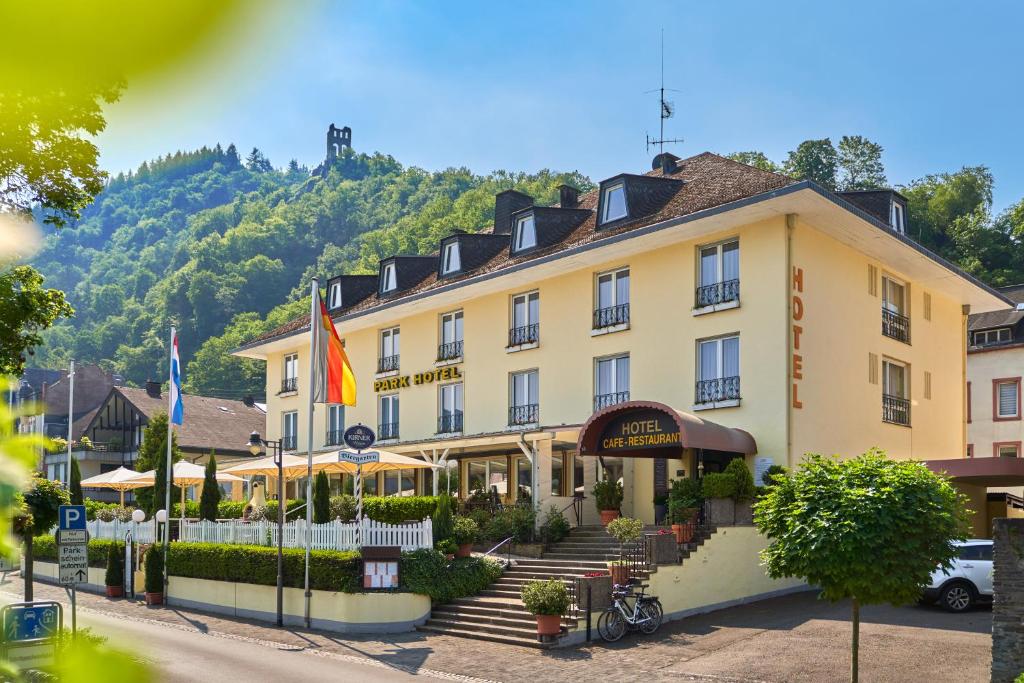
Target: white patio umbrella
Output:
{"points": [[387, 460], [186, 474], [122, 479], [267, 466]]}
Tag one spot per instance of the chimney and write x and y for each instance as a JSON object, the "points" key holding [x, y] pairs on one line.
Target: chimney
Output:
{"points": [[153, 388], [666, 162], [505, 204], [568, 196], [248, 400]]}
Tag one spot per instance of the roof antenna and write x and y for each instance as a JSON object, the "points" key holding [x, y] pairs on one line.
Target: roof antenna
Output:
{"points": [[667, 109]]}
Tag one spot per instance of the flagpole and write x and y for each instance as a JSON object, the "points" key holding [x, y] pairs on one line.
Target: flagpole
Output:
{"points": [[314, 318], [170, 439], [71, 416]]}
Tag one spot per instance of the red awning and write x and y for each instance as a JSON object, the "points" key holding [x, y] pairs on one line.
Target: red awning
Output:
{"points": [[694, 432], [981, 471]]}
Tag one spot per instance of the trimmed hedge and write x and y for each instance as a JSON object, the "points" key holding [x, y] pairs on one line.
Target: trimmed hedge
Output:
{"points": [[230, 509], [44, 549], [428, 572], [395, 509]]}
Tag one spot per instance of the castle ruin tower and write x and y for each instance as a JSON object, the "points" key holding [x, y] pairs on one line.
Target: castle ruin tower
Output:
{"points": [[336, 139]]}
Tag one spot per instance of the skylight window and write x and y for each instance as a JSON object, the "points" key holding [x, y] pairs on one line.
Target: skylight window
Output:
{"points": [[334, 296], [388, 279], [451, 261], [526, 233], [614, 203]]}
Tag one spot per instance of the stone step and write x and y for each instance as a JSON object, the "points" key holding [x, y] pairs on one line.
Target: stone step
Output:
{"points": [[503, 602], [524, 630], [494, 591], [555, 564], [594, 558], [477, 635], [484, 614], [550, 574]]}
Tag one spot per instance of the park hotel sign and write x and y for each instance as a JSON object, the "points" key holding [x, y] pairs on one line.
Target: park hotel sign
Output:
{"points": [[440, 375]]}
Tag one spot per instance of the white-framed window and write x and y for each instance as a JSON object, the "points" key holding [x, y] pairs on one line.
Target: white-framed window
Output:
{"points": [[1008, 450], [611, 298], [894, 295], [1007, 399], [611, 380], [894, 379], [387, 417], [999, 336], [719, 276], [388, 360], [718, 370], [451, 261], [290, 378], [449, 408], [526, 233], [400, 482], [335, 424], [524, 397], [289, 430], [334, 296], [388, 278], [525, 319], [451, 336], [613, 202], [897, 218]]}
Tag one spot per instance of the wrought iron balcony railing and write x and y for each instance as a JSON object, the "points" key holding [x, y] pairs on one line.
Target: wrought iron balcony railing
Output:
{"points": [[720, 389], [523, 415], [718, 293], [450, 423], [334, 437], [289, 442], [526, 334], [387, 430], [896, 326], [387, 363], [605, 400], [895, 410], [289, 384], [611, 316], [449, 351]]}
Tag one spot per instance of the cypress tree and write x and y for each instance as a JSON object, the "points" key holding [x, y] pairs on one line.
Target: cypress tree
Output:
{"points": [[444, 520], [210, 498], [321, 499], [76, 483]]}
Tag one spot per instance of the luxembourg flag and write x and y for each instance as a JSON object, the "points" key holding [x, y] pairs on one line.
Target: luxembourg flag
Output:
{"points": [[175, 406]]}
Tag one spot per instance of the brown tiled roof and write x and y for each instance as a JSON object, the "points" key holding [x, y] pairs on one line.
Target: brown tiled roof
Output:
{"points": [[709, 180], [210, 423], [1006, 317]]}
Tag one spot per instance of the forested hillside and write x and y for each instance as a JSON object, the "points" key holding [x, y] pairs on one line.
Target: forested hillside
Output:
{"points": [[224, 249]]}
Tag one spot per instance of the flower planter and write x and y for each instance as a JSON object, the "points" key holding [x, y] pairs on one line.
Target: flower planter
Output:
{"points": [[548, 624], [465, 550], [608, 515], [154, 598], [619, 573], [115, 591], [683, 532]]}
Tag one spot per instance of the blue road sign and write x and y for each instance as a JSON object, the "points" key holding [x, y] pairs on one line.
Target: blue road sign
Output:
{"points": [[71, 517], [359, 437], [31, 621]]}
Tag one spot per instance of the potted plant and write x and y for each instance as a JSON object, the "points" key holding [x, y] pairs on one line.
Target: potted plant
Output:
{"points": [[448, 547], [154, 563], [684, 501], [115, 571], [547, 600], [464, 532], [625, 530], [608, 497], [743, 481], [719, 488]]}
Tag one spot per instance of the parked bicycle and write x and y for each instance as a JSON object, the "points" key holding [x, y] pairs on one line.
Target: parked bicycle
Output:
{"points": [[645, 614]]}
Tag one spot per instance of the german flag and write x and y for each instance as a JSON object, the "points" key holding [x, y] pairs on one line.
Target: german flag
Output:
{"points": [[335, 381]]}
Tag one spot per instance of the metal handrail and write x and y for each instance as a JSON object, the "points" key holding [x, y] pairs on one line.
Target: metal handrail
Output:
{"points": [[577, 508], [895, 325], [449, 350], [524, 334], [609, 316], [717, 293], [508, 555], [388, 363]]}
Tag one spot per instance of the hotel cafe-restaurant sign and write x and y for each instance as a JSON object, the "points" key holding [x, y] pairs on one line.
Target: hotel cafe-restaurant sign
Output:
{"points": [[639, 430], [439, 375]]}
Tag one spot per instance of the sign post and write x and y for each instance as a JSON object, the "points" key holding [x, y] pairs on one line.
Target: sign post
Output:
{"points": [[72, 552], [359, 437]]}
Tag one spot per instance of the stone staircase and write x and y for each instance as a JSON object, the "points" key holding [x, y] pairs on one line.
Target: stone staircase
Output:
{"points": [[497, 614]]}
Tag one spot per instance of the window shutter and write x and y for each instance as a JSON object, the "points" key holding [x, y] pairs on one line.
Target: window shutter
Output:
{"points": [[873, 368], [927, 306], [1008, 399], [872, 280], [927, 384]]}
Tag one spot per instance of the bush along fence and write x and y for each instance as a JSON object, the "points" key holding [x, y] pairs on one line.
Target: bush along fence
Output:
{"points": [[334, 535]]}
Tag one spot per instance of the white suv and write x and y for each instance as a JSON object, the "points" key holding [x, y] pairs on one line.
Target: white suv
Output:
{"points": [[967, 582]]}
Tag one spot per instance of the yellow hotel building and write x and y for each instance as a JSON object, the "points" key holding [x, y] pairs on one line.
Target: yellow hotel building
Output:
{"points": [[652, 329]]}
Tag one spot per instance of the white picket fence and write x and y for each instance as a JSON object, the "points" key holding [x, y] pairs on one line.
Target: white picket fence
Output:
{"points": [[144, 532], [334, 535]]}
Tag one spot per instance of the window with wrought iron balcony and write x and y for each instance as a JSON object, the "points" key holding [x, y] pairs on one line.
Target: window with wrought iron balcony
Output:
{"points": [[387, 430], [449, 351], [388, 354], [289, 442], [611, 381], [334, 437], [895, 322], [450, 348], [289, 384], [387, 363], [525, 327], [524, 334], [519, 416], [611, 306], [895, 399], [523, 398], [718, 373], [449, 423], [719, 279], [605, 400]]}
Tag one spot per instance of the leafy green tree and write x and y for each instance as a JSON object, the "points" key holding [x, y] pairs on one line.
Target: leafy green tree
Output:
{"points": [[26, 309], [321, 499], [209, 500], [815, 160], [860, 164], [257, 162], [153, 456], [76, 484], [755, 159], [854, 528], [42, 501]]}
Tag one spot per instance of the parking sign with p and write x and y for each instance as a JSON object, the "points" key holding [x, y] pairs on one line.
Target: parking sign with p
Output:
{"points": [[71, 517]]}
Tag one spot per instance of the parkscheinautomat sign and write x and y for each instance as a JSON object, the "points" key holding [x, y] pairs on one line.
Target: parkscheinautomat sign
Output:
{"points": [[439, 375]]}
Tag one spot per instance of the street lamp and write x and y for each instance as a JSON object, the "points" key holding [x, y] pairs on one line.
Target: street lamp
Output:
{"points": [[257, 446]]}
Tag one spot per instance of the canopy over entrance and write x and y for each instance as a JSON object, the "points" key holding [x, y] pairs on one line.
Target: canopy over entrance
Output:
{"points": [[981, 471], [646, 429]]}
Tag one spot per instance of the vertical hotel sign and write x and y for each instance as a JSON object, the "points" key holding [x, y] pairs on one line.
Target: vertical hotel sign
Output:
{"points": [[798, 315]]}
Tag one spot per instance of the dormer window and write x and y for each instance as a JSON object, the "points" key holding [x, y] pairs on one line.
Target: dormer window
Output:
{"points": [[526, 233], [388, 279], [613, 203], [451, 261], [897, 218], [334, 296]]}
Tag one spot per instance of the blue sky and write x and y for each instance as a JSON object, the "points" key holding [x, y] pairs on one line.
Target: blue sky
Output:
{"points": [[531, 85]]}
